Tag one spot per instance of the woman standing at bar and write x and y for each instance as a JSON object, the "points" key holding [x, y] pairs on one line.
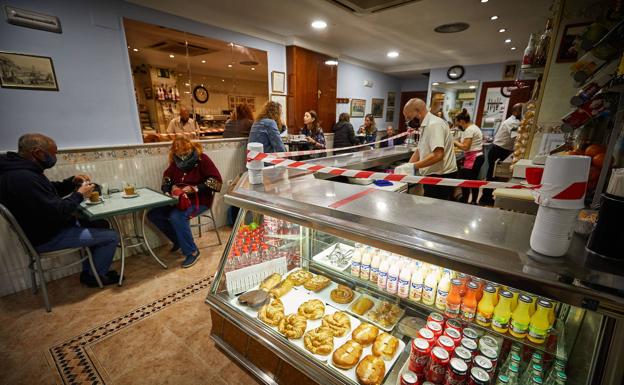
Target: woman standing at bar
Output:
{"points": [[472, 145], [239, 124]]}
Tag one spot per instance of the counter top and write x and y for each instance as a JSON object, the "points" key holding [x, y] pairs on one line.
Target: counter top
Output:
{"points": [[486, 242]]}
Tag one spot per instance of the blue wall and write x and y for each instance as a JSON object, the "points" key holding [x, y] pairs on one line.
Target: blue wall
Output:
{"points": [[95, 103], [351, 85]]}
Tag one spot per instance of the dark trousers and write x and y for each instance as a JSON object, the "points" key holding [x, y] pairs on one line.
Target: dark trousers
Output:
{"points": [[440, 192], [472, 174], [496, 153]]}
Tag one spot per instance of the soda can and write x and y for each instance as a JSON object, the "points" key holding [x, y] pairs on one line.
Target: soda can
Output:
{"points": [[435, 327], [427, 335], [419, 356], [483, 363], [478, 376], [470, 345], [470, 333], [457, 373], [446, 343], [454, 335], [454, 324], [490, 342], [490, 354], [438, 363], [409, 378], [463, 354], [436, 317]]}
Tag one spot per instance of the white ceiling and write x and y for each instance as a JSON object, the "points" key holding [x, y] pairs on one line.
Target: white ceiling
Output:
{"points": [[366, 39]]}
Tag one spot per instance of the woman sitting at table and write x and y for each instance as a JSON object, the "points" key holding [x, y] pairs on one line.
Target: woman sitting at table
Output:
{"points": [[313, 131], [369, 128], [192, 172], [239, 123]]}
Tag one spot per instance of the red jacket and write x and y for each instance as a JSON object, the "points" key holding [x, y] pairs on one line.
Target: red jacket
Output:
{"points": [[197, 177]]}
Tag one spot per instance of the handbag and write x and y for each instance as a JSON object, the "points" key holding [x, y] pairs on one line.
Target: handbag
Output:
{"points": [[184, 202]]}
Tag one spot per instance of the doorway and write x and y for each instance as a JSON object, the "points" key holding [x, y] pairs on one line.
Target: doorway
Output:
{"points": [[405, 96]]}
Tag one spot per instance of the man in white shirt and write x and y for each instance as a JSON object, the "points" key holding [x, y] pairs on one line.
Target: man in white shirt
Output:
{"points": [[502, 147], [434, 155], [183, 123]]}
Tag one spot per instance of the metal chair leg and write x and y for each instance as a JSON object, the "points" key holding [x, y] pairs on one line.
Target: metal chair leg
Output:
{"points": [[44, 289], [199, 225], [33, 275], [92, 265], [214, 224]]}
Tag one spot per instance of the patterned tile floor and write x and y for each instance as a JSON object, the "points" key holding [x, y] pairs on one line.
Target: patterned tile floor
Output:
{"points": [[153, 330]]}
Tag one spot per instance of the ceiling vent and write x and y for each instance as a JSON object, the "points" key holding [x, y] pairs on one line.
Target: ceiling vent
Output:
{"points": [[179, 48], [367, 7]]}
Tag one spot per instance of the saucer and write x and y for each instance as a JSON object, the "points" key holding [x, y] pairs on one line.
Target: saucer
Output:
{"points": [[123, 195], [94, 203]]}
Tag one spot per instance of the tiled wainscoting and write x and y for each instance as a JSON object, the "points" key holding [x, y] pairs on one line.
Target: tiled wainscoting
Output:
{"points": [[142, 165]]}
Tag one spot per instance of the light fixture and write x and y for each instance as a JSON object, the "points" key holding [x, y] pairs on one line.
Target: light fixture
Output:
{"points": [[392, 54], [502, 30], [135, 49], [187, 92], [435, 84], [172, 56], [187, 84], [203, 61], [472, 87], [484, 1], [229, 66], [494, 17], [319, 24], [507, 41], [223, 80], [452, 27], [513, 48], [331, 62], [253, 68]]}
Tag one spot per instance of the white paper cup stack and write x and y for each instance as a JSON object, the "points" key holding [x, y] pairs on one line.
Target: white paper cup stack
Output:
{"points": [[255, 167]]}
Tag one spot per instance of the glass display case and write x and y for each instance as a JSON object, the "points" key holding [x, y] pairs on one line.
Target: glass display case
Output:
{"points": [[369, 287]]}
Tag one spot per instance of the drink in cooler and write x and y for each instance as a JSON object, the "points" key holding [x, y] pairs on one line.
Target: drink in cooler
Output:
{"points": [[430, 287], [453, 300], [419, 356], [374, 269], [443, 289], [469, 302], [416, 284], [478, 376], [486, 307], [405, 277], [356, 260], [435, 327], [521, 317], [457, 372], [409, 378], [427, 335], [502, 312], [365, 264], [384, 266], [437, 366], [540, 323]]}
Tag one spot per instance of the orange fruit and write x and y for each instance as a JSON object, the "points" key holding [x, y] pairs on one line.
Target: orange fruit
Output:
{"points": [[595, 149]]}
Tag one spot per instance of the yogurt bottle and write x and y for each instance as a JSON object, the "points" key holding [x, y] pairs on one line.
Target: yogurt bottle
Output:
{"points": [[393, 277], [365, 264], [384, 266], [416, 284], [405, 277], [375, 262]]}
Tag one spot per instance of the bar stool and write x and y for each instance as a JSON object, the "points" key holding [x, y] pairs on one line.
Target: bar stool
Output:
{"points": [[209, 215], [35, 259]]}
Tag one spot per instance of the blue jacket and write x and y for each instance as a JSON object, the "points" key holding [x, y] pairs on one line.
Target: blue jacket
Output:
{"points": [[265, 131]]}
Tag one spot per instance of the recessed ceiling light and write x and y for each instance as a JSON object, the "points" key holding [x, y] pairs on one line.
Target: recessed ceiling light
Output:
{"points": [[484, 1], [187, 84], [392, 54], [472, 87], [502, 30], [513, 48], [253, 68], [331, 62], [229, 66], [222, 80], [319, 24], [507, 41], [172, 56], [203, 61], [494, 17], [135, 49], [187, 92], [435, 83]]}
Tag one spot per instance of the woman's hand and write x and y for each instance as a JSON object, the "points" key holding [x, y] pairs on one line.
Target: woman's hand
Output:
{"points": [[189, 189]]}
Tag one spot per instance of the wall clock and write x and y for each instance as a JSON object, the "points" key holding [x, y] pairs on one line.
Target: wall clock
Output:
{"points": [[200, 93], [455, 72]]}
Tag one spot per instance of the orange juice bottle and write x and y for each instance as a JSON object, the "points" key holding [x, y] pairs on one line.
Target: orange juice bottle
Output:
{"points": [[502, 312], [469, 302], [539, 325], [520, 318], [453, 299], [486, 307]]}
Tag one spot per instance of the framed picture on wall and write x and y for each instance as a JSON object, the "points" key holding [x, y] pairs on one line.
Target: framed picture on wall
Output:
{"points": [[390, 115], [391, 98], [377, 108], [567, 49], [25, 71], [510, 71], [358, 106], [281, 99], [163, 73], [278, 82]]}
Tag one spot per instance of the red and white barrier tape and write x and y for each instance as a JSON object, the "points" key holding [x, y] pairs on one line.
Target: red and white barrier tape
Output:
{"points": [[325, 150], [281, 162]]}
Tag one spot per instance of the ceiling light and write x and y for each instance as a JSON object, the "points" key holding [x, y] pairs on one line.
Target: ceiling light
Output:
{"points": [[494, 17], [331, 62], [513, 48], [187, 84], [484, 1], [253, 68], [502, 30], [229, 66], [507, 41], [203, 61], [222, 80], [172, 56], [472, 87], [435, 83], [392, 54], [187, 92], [452, 27], [135, 49], [319, 24]]}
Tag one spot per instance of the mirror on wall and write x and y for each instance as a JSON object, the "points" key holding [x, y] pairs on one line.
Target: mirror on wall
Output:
{"points": [[174, 70], [451, 97]]}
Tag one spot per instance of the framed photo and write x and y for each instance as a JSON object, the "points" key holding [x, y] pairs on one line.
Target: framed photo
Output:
{"points": [[391, 98], [149, 93], [281, 99], [377, 108], [567, 49], [278, 82], [24, 71], [358, 106], [390, 115], [163, 73], [510, 71]]}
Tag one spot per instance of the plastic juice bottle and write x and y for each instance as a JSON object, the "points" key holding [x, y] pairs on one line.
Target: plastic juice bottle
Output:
{"points": [[551, 315], [384, 266], [486, 307], [393, 277], [356, 261], [514, 299], [374, 267], [502, 312], [539, 325], [365, 264], [416, 284], [520, 318], [430, 287], [405, 277], [453, 299], [469, 302], [443, 289]]}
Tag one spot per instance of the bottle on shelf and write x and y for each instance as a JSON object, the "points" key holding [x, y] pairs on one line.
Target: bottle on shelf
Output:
{"points": [[529, 52], [497, 288], [541, 49], [365, 264], [469, 302], [443, 289], [480, 285], [514, 297], [464, 278], [502, 380], [405, 276], [453, 299], [521, 317], [513, 374], [553, 373], [430, 286], [374, 268], [356, 260], [393, 277], [540, 323], [551, 315], [486, 307], [416, 283], [384, 266], [502, 312]]}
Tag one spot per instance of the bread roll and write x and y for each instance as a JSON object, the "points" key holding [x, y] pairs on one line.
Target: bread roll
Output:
{"points": [[371, 370], [365, 334], [385, 346], [347, 355]]}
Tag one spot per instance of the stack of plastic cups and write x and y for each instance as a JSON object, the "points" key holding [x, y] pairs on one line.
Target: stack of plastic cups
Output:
{"points": [[254, 167], [561, 197]]}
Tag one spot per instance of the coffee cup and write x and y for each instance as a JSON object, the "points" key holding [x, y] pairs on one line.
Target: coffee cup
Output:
{"points": [[94, 197], [129, 190]]}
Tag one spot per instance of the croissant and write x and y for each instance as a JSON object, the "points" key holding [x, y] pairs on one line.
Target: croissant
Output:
{"points": [[319, 341], [339, 323], [272, 313], [312, 309], [293, 326]]}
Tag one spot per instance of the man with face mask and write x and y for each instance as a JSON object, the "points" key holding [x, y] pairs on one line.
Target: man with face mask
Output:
{"points": [[183, 123], [434, 155], [45, 210], [502, 147]]}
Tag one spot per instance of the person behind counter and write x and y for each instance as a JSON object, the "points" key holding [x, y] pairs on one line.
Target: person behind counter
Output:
{"points": [[344, 134], [369, 128], [46, 210], [239, 125], [265, 128], [313, 131], [434, 155], [183, 123], [502, 147], [392, 142], [193, 172], [472, 146]]}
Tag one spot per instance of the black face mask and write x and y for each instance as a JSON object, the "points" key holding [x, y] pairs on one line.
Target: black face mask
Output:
{"points": [[47, 162], [188, 162], [413, 123]]}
